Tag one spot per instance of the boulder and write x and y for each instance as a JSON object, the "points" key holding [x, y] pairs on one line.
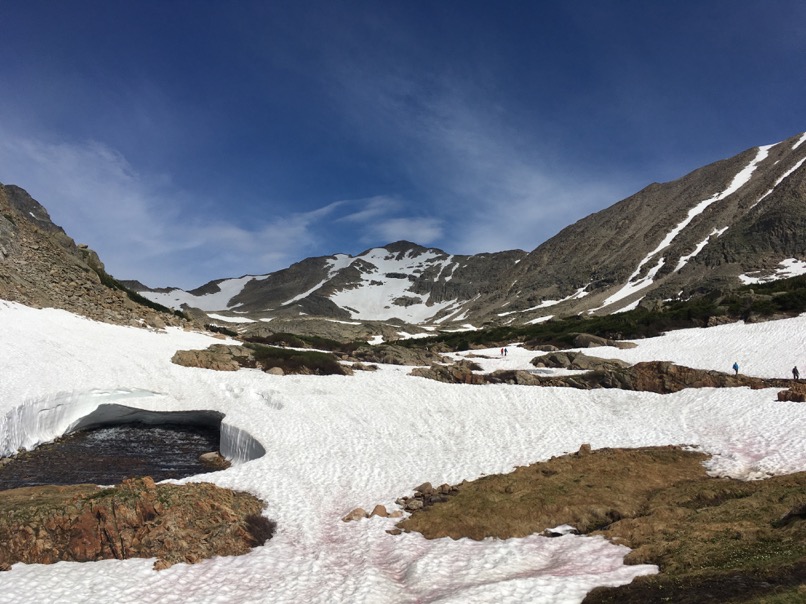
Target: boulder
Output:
{"points": [[218, 357], [356, 514], [379, 510], [214, 459], [586, 340]]}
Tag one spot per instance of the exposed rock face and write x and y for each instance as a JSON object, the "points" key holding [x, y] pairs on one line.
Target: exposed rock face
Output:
{"points": [[395, 355], [219, 357], [136, 519], [223, 357], [576, 360], [457, 373], [41, 266], [795, 393], [661, 377]]}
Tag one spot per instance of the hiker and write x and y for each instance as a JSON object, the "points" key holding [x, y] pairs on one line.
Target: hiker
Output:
{"points": [[502, 352], [795, 373], [506, 352], [736, 368]]}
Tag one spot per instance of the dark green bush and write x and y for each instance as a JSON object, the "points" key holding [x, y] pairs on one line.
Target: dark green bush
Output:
{"points": [[297, 361], [786, 296], [304, 341], [112, 283], [222, 330]]}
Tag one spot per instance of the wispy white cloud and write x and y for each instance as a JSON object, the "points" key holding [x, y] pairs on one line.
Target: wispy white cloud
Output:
{"points": [[384, 219], [141, 226], [372, 208], [483, 169], [418, 230]]}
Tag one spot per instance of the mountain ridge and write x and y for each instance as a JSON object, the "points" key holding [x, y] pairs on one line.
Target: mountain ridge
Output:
{"points": [[708, 229]]}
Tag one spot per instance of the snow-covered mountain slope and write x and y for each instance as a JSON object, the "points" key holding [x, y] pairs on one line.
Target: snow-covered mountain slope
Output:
{"points": [[739, 220], [401, 281]]}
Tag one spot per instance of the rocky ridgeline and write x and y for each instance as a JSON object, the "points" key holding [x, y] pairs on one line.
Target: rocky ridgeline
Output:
{"points": [[136, 519], [40, 266], [661, 377]]}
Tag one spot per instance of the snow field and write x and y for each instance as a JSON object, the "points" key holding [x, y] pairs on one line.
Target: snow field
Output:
{"points": [[334, 443]]}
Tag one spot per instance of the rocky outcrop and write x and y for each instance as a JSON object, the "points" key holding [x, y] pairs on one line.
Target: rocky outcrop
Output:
{"points": [[219, 357], [272, 360], [426, 495], [136, 519], [586, 340], [661, 377], [40, 266], [456, 373], [389, 354], [576, 360], [796, 393]]}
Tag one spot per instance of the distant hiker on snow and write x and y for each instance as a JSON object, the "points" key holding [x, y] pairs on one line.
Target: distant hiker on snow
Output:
{"points": [[736, 368], [795, 373]]}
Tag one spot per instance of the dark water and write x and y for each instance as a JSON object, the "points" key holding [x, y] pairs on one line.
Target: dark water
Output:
{"points": [[108, 454]]}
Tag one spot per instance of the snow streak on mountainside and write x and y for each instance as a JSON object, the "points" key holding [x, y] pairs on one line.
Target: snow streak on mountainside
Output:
{"points": [[635, 283], [216, 300], [725, 223]]}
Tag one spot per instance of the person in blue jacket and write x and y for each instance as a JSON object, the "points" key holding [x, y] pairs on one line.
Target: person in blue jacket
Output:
{"points": [[736, 368]]}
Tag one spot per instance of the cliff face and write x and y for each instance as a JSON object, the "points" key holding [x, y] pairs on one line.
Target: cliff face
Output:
{"points": [[41, 266]]}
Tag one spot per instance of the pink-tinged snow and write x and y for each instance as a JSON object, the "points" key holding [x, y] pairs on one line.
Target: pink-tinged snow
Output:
{"points": [[791, 267], [334, 443], [737, 183], [228, 289]]}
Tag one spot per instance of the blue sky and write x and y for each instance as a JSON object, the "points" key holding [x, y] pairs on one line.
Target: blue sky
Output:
{"points": [[192, 140]]}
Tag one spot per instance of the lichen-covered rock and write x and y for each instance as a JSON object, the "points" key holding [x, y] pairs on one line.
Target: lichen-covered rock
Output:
{"points": [[219, 357], [136, 519]]}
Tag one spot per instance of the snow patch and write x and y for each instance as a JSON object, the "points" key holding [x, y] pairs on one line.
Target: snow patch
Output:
{"points": [[791, 267]]}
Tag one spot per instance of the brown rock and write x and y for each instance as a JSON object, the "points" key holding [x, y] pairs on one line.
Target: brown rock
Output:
{"points": [[379, 510], [356, 514]]}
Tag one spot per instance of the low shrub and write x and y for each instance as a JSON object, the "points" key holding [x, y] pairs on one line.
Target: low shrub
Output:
{"points": [[297, 361]]}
